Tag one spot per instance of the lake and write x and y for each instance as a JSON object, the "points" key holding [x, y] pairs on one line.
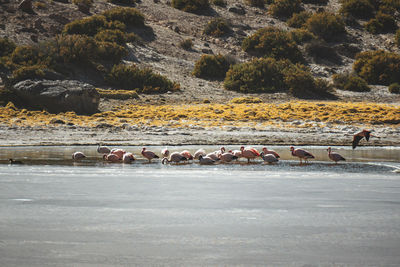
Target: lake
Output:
{"points": [[58, 212]]}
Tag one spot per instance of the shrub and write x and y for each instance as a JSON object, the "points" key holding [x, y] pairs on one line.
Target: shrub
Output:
{"points": [[186, 44], [114, 36], [394, 88], [264, 75], [357, 8], [246, 100], [356, 84], [76, 48], [6, 96], [319, 50], [123, 2], [25, 55], [285, 8], [6, 47], [272, 42], [302, 36], [144, 80], [191, 5], [256, 3], [382, 23], [117, 94], [110, 51], [127, 15], [211, 67], [28, 72], [88, 26], [217, 27], [221, 3], [298, 20], [397, 38], [378, 67], [326, 25]]}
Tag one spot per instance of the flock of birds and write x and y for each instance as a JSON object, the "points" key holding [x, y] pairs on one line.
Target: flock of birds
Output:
{"points": [[269, 156]]}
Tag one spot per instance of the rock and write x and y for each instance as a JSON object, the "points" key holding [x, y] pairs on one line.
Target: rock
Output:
{"points": [[58, 96], [237, 9], [26, 5], [207, 51]]}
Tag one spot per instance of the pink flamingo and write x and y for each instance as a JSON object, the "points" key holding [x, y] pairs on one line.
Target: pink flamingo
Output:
{"points": [[103, 149], [249, 153], [187, 155], [334, 156], [111, 157], [119, 152], [175, 157], [301, 154], [149, 154], [213, 156], [267, 151], [199, 153], [165, 153], [128, 158], [236, 153], [78, 155]]}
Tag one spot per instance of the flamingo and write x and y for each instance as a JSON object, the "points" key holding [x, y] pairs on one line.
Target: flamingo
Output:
{"points": [[206, 160], [119, 152], [267, 151], [301, 154], [78, 155], [236, 153], [358, 136], [103, 149], [175, 157], [212, 155], [165, 153], [199, 153], [12, 162], [111, 157], [334, 156], [128, 158], [269, 158], [249, 153], [227, 157], [149, 154], [187, 155]]}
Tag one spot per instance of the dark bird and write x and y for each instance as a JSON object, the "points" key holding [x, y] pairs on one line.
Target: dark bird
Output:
{"points": [[358, 136], [11, 161]]}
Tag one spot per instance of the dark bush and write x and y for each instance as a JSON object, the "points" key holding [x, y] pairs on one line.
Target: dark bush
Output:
{"points": [[326, 25], [83, 5], [316, 2], [394, 88], [110, 51], [264, 75], [397, 38], [114, 36], [221, 3], [6, 47], [256, 3], [378, 67], [186, 44], [298, 20], [285, 8], [357, 8], [191, 5], [320, 50], [356, 84], [76, 48], [301, 36], [382, 23], [142, 80], [28, 72], [6, 96], [211, 67], [127, 15], [123, 2], [88, 26], [395, 4], [217, 27], [25, 55], [273, 42]]}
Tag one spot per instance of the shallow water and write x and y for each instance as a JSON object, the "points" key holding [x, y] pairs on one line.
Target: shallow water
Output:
{"points": [[56, 212]]}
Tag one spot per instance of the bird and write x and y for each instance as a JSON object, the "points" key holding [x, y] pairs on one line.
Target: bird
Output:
{"points": [[249, 153], [267, 151], [199, 152], [103, 149], [187, 155], [78, 155], [301, 154], [269, 158], [128, 158], [149, 154], [358, 136], [165, 153], [236, 153], [334, 156], [175, 157], [213, 156], [15, 162], [206, 160], [227, 157], [119, 152], [111, 157]]}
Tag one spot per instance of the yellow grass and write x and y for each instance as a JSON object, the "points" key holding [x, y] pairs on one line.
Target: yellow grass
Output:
{"points": [[211, 115]]}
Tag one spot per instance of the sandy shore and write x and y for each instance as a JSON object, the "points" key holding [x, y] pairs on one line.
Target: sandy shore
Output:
{"points": [[157, 135]]}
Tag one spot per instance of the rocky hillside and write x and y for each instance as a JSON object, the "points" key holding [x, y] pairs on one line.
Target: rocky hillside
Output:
{"points": [[166, 27]]}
